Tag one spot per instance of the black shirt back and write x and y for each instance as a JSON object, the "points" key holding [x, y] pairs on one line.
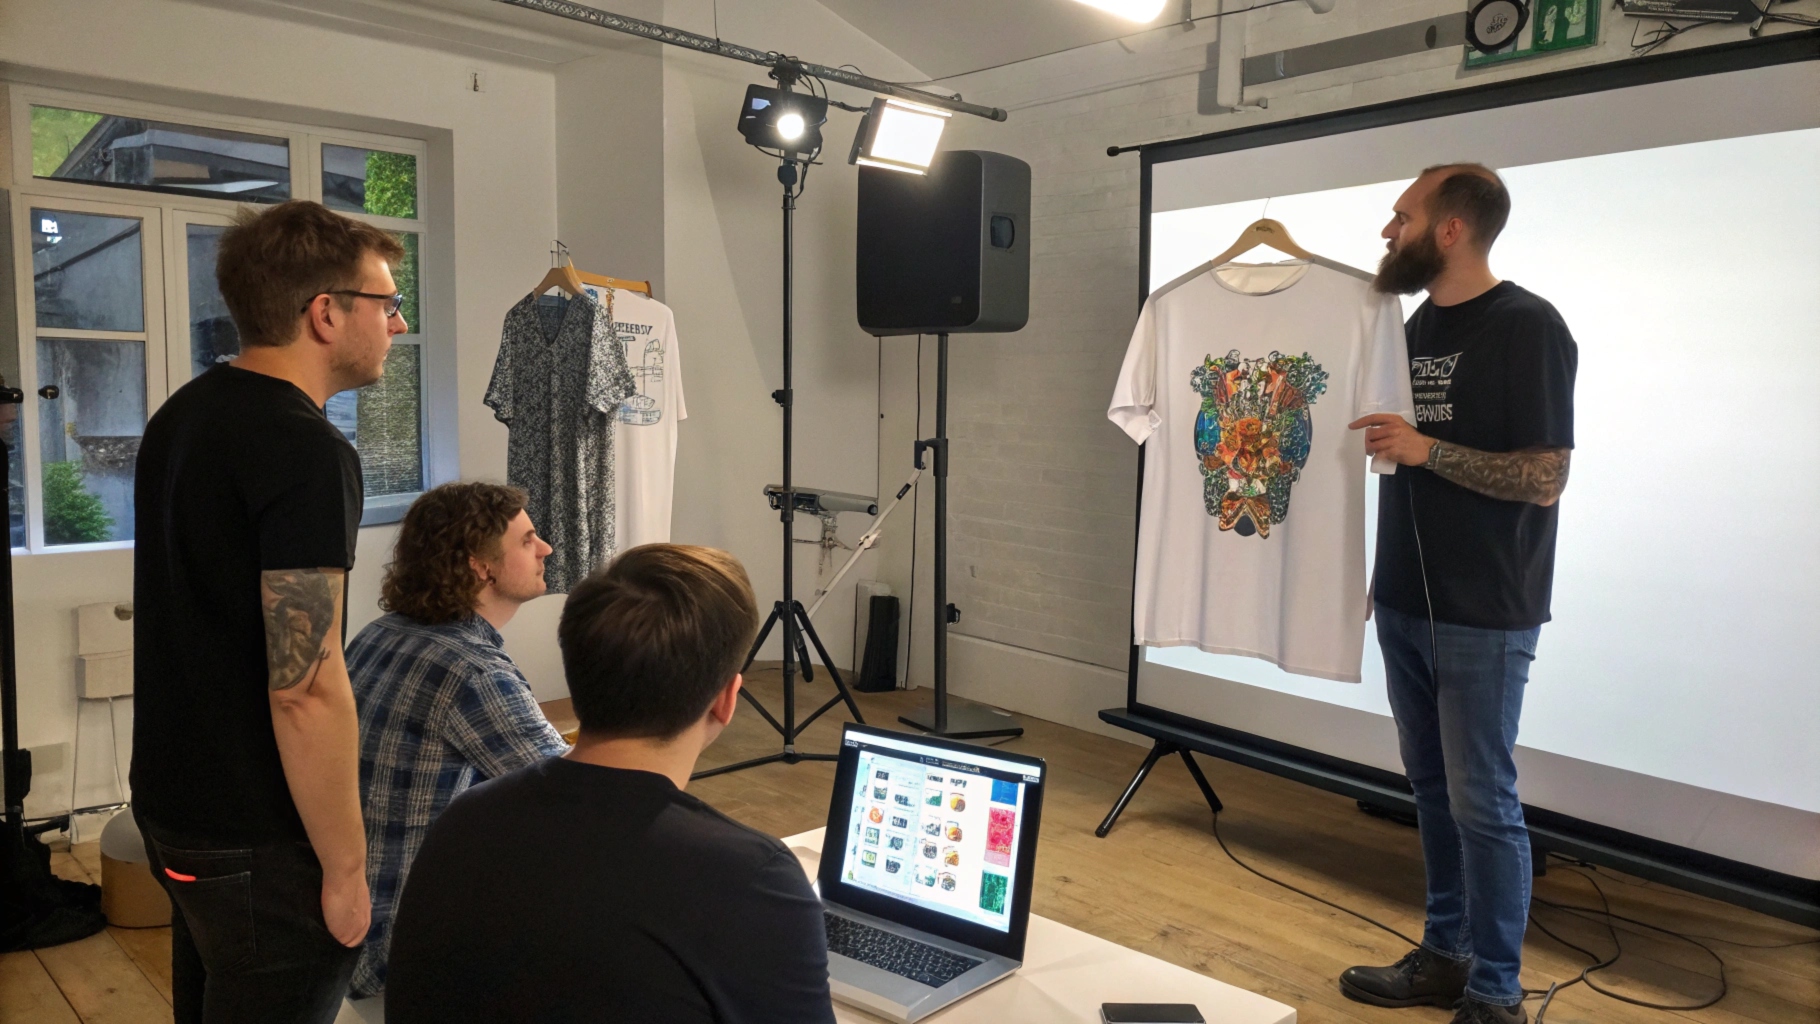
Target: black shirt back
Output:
{"points": [[1495, 373], [238, 473], [573, 892]]}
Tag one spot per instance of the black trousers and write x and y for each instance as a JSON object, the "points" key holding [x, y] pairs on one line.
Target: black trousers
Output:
{"points": [[248, 941]]}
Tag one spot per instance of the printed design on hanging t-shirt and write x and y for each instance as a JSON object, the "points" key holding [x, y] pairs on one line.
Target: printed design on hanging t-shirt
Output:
{"points": [[1253, 435], [1430, 378], [645, 357]]}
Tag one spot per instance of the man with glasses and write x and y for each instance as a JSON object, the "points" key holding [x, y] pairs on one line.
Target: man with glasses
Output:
{"points": [[245, 751]]}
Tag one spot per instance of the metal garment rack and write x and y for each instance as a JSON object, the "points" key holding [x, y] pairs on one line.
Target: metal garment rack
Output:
{"points": [[765, 58]]}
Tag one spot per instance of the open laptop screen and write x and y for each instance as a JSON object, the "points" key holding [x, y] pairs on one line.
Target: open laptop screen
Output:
{"points": [[945, 827]]}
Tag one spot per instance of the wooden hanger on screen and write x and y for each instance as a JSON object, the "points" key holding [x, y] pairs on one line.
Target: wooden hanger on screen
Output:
{"points": [[1264, 231]]}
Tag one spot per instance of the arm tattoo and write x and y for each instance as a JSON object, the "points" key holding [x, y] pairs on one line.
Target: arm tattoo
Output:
{"points": [[300, 610], [1538, 475]]}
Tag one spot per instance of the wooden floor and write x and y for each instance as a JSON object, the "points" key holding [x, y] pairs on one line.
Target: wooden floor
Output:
{"points": [[1158, 884]]}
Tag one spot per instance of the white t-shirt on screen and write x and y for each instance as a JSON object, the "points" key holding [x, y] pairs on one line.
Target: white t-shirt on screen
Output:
{"points": [[1240, 382]]}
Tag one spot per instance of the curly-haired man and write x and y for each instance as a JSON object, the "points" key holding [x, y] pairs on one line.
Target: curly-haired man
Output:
{"points": [[442, 706]]}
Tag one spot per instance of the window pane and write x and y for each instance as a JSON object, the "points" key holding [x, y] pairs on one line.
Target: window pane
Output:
{"points": [[89, 436], [15, 473], [131, 152], [213, 337], [405, 276], [369, 181], [86, 271], [383, 422]]}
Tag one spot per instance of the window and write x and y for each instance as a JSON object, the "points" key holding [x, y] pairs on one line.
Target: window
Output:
{"points": [[116, 322], [159, 156]]}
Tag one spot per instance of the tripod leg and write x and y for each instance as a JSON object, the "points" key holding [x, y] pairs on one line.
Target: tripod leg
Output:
{"points": [[760, 708], [763, 635], [1194, 769], [1156, 753], [840, 685]]}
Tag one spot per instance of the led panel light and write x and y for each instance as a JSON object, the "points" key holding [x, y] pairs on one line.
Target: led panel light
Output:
{"points": [[899, 135], [1144, 11]]}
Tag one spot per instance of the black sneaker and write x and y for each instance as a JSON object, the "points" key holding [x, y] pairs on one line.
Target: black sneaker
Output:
{"points": [[1470, 1011], [1421, 978]]}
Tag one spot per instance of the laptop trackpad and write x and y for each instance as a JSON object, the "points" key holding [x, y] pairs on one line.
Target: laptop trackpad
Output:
{"points": [[871, 983]]}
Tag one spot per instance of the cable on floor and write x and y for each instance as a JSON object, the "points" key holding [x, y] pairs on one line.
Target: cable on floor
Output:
{"points": [[1602, 914]]}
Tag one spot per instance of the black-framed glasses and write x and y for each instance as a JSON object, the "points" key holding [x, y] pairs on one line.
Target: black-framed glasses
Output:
{"points": [[394, 302]]}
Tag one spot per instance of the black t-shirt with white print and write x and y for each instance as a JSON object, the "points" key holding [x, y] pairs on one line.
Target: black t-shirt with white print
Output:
{"points": [[1495, 373]]}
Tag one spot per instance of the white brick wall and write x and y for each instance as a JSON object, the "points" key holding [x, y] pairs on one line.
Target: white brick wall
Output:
{"points": [[1043, 487]]}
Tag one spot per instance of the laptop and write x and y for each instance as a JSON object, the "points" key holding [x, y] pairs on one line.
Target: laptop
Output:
{"points": [[926, 869]]}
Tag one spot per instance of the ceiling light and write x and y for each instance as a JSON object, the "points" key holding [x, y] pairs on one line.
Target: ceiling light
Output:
{"points": [[790, 122], [1143, 11], [899, 135]]}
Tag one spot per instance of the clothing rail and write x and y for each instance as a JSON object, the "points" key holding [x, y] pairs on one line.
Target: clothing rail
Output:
{"points": [[771, 59]]}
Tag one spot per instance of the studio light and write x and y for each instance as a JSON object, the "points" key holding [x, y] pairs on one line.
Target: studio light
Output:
{"points": [[1144, 11], [789, 122], [899, 135]]}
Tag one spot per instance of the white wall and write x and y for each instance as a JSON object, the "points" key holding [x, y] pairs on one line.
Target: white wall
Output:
{"points": [[1044, 488], [722, 268], [502, 209]]}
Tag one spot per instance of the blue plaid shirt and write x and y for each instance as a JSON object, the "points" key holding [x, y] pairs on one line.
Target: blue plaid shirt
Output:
{"points": [[441, 708]]}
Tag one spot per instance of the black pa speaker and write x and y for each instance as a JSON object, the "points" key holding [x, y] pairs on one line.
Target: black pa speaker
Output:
{"points": [[946, 252]]}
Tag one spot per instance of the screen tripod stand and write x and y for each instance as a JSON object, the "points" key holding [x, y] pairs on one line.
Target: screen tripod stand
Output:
{"points": [[799, 632]]}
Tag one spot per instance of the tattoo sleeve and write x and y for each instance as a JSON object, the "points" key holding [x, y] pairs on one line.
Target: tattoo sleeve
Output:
{"points": [[302, 607], [1537, 476]]}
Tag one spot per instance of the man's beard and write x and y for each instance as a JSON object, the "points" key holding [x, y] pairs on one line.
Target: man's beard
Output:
{"points": [[1407, 269]]}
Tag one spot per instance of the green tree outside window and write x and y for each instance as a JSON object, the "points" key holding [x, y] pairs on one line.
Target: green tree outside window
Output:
{"points": [[72, 514]]}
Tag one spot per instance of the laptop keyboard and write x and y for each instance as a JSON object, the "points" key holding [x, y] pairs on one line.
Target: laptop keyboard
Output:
{"points": [[888, 951]]}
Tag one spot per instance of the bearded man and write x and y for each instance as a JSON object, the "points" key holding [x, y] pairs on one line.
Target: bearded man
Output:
{"points": [[442, 706], [1465, 565]]}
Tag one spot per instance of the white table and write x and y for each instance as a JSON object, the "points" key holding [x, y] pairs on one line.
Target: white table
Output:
{"points": [[1067, 974]]}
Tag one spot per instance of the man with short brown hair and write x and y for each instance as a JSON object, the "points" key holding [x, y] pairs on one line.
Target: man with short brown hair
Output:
{"points": [[590, 886], [245, 774], [442, 706]]}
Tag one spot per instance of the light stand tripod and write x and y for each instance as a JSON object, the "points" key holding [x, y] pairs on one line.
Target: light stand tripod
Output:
{"points": [[789, 611], [939, 718]]}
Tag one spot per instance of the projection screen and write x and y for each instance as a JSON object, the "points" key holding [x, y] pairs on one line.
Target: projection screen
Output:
{"points": [[1676, 225]]}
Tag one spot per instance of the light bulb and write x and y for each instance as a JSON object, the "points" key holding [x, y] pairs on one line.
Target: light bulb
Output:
{"points": [[790, 126]]}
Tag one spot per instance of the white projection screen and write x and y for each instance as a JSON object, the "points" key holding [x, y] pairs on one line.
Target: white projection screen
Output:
{"points": [[1676, 225]]}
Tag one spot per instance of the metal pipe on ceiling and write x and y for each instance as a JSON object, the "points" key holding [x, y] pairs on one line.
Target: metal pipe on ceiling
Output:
{"points": [[770, 59]]}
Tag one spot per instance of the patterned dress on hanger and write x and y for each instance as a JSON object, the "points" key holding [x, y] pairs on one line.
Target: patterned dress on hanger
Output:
{"points": [[557, 386]]}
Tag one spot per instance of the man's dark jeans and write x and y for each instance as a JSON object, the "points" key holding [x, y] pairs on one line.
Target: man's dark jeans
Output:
{"points": [[248, 942], [1457, 727]]}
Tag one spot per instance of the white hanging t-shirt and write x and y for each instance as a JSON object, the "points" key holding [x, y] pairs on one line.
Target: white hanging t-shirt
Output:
{"points": [[1240, 383], [645, 442]]}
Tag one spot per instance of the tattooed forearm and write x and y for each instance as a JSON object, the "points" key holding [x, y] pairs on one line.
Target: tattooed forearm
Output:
{"points": [[301, 608], [1537, 476]]}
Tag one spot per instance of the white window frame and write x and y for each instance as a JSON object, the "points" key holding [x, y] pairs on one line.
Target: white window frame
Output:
{"points": [[166, 217]]}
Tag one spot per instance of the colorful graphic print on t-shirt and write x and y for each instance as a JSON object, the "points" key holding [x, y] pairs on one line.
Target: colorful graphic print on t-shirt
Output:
{"points": [[1253, 435]]}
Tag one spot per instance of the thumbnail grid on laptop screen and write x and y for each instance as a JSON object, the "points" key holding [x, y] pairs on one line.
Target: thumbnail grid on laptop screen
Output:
{"points": [[936, 828]]}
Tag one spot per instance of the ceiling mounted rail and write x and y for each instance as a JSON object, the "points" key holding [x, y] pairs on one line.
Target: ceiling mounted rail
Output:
{"points": [[770, 59]]}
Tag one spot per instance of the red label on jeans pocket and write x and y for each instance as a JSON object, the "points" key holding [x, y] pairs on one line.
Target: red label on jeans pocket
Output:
{"points": [[178, 877]]}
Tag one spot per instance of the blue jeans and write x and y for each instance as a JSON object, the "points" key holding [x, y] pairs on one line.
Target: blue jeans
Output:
{"points": [[1456, 726]]}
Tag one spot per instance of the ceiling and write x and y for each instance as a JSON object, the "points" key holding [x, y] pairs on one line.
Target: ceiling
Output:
{"points": [[950, 37]]}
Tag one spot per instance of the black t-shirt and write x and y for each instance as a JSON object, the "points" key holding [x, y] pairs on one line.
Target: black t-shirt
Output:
{"points": [[572, 892], [1494, 373], [238, 473]]}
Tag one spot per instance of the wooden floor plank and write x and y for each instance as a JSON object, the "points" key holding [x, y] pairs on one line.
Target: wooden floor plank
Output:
{"points": [[150, 950], [28, 994], [102, 983]]}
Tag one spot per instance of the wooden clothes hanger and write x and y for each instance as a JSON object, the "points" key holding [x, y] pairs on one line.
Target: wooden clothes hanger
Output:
{"points": [[619, 283], [564, 275], [1264, 231], [560, 276]]}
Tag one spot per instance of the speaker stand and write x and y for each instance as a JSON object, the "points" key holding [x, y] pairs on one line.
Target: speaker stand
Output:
{"points": [[939, 719]]}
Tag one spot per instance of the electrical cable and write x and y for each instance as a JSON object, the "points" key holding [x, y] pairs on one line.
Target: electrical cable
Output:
{"points": [[1303, 892], [1097, 42]]}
